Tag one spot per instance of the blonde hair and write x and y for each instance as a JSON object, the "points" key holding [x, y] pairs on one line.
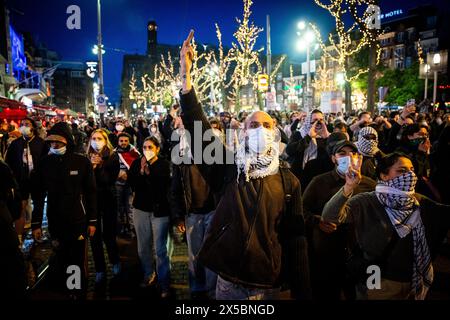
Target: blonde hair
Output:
{"points": [[108, 146]]}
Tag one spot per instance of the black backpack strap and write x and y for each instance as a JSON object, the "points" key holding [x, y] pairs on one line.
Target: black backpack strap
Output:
{"points": [[287, 188]]}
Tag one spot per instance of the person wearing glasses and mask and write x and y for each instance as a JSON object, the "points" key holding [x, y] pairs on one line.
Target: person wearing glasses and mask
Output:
{"points": [[415, 143]]}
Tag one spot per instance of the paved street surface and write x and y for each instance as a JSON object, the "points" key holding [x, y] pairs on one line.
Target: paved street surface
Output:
{"points": [[126, 287]]}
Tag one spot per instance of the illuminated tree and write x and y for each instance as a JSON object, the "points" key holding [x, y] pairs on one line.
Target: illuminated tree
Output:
{"points": [[243, 55], [343, 45]]}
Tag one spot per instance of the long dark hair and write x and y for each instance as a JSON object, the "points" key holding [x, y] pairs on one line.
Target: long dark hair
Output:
{"points": [[385, 163]]}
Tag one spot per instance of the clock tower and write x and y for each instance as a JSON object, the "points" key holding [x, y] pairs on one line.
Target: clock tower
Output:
{"points": [[152, 39]]}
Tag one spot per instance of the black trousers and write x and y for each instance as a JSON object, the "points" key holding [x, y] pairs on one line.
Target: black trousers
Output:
{"points": [[106, 232], [69, 253]]}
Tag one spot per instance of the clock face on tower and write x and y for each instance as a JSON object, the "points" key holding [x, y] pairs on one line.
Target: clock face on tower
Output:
{"points": [[152, 27]]}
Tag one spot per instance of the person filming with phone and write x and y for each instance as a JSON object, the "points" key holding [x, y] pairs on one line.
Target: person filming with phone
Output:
{"points": [[307, 148]]}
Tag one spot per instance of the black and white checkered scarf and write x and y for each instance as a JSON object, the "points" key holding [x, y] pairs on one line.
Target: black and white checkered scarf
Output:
{"points": [[367, 148], [255, 166], [397, 196]]}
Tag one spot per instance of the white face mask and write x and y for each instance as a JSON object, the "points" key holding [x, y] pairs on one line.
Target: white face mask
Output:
{"points": [[25, 131], [58, 152], [120, 127], [260, 139], [149, 154], [438, 121], [97, 145], [343, 164]]}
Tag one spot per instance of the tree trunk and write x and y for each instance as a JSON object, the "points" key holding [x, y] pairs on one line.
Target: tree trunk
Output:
{"points": [[348, 96], [371, 90], [260, 100]]}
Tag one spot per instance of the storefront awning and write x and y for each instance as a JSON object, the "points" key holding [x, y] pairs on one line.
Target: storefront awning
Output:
{"points": [[34, 95], [12, 110]]}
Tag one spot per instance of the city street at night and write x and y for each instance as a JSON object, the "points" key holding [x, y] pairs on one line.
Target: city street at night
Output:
{"points": [[249, 158]]}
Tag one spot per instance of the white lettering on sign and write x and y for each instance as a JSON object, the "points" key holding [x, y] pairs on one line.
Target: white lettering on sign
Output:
{"points": [[391, 14]]}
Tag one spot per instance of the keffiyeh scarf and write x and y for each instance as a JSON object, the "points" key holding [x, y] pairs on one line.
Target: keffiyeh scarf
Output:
{"points": [[310, 152], [367, 148], [255, 166], [397, 196]]}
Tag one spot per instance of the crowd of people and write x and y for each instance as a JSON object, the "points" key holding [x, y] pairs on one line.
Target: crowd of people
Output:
{"points": [[308, 202]]}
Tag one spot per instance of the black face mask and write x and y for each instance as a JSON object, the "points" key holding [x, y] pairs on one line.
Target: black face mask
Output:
{"points": [[413, 145]]}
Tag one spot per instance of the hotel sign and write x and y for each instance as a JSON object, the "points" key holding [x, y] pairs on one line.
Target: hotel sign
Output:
{"points": [[391, 14]]}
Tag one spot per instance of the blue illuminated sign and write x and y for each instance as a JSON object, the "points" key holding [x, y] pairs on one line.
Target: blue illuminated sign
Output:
{"points": [[19, 61], [391, 14]]}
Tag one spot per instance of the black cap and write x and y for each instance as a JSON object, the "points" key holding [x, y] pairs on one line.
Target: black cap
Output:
{"points": [[344, 143], [334, 138]]}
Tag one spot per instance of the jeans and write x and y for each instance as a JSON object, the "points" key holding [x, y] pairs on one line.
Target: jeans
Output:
{"points": [[226, 290], [200, 277], [151, 229], [123, 194]]}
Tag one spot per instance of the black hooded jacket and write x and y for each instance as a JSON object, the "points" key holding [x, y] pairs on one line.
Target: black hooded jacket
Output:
{"points": [[68, 182]]}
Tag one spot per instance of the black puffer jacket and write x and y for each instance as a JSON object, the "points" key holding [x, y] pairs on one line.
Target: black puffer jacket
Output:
{"points": [[255, 238]]}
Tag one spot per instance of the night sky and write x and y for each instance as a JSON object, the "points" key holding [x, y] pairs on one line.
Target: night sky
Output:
{"points": [[124, 25]]}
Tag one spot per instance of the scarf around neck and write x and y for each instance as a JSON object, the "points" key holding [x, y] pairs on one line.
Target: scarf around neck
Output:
{"points": [[255, 166], [402, 208]]}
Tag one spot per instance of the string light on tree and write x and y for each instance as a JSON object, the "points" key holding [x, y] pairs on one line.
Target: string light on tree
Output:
{"points": [[344, 48]]}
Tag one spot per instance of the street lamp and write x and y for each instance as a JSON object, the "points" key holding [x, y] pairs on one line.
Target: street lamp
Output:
{"points": [[301, 25], [95, 50], [427, 70], [306, 40], [436, 62]]}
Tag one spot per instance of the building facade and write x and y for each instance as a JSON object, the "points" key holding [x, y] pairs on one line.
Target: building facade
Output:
{"points": [[420, 31], [72, 88]]}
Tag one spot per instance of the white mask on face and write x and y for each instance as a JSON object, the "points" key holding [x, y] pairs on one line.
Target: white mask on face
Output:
{"points": [[438, 121], [58, 152], [343, 164], [119, 127], [25, 131], [260, 139], [97, 145], [149, 154]]}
